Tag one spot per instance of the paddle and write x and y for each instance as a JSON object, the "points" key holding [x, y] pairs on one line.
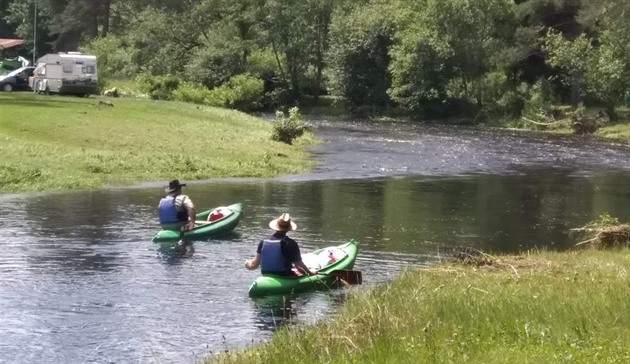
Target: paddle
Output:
{"points": [[346, 275], [181, 236]]}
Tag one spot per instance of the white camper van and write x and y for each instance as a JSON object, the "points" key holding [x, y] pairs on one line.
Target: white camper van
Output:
{"points": [[66, 73]]}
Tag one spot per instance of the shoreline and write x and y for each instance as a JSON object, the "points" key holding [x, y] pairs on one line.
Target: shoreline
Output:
{"points": [[535, 307]]}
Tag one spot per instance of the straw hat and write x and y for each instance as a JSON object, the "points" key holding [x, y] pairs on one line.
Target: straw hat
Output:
{"points": [[283, 223]]}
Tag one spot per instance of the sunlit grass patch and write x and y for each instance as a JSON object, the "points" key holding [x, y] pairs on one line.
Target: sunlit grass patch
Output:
{"points": [[68, 142]]}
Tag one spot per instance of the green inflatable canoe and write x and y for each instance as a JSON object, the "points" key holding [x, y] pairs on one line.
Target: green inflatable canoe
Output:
{"points": [[325, 261], [209, 223]]}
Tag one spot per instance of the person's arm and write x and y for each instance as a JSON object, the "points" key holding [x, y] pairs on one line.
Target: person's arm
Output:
{"points": [[192, 213], [303, 268], [293, 251], [253, 263]]}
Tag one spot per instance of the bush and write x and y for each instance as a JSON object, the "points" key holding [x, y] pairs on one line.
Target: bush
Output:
{"points": [[190, 92], [276, 98], [214, 64], [286, 129], [585, 123], [158, 87], [538, 104], [508, 106], [242, 92], [115, 57]]}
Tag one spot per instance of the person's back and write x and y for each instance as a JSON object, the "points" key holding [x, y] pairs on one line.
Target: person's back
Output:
{"points": [[176, 210], [278, 253]]}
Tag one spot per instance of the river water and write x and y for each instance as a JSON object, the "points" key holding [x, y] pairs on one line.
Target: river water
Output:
{"points": [[81, 281]]}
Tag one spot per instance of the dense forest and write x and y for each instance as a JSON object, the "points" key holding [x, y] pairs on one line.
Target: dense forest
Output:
{"points": [[487, 59]]}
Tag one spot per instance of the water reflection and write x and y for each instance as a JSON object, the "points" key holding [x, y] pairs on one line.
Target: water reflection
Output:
{"points": [[273, 312], [173, 253], [277, 311]]}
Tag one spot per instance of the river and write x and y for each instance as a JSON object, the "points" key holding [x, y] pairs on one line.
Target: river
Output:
{"points": [[81, 281]]}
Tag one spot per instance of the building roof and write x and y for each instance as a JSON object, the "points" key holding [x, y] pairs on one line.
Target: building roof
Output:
{"points": [[8, 43]]}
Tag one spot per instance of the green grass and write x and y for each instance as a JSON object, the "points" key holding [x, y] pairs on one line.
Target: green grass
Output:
{"points": [[55, 142], [615, 131], [127, 87], [543, 308]]}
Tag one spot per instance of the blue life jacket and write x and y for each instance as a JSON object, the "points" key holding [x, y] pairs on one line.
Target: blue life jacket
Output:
{"points": [[271, 257], [168, 214]]}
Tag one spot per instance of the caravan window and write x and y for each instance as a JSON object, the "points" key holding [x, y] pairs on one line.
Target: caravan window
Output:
{"points": [[67, 66], [89, 69]]}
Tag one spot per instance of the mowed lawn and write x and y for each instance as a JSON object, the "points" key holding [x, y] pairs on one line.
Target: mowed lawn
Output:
{"points": [[63, 142]]}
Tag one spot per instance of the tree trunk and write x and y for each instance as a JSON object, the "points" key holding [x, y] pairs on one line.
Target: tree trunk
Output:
{"points": [[575, 91], [275, 52], [323, 26], [243, 30], [92, 12], [106, 14], [293, 76], [611, 113]]}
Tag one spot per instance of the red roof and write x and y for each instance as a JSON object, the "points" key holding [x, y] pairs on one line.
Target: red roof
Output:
{"points": [[8, 43]]}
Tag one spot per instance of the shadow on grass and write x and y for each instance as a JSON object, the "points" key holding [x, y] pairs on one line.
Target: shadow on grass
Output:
{"points": [[27, 99]]}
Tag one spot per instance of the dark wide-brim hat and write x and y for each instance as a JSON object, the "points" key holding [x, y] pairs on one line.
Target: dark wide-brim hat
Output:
{"points": [[283, 223], [174, 185]]}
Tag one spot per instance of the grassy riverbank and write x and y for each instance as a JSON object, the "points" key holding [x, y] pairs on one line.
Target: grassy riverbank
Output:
{"points": [[546, 307], [336, 107], [53, 143]]}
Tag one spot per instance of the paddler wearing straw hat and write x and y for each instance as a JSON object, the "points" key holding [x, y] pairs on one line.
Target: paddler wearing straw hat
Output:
{"points": [[279, 253]]}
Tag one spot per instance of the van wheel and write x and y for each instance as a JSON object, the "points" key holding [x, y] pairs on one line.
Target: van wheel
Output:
{"points": [[47, 91], [7, 87]]}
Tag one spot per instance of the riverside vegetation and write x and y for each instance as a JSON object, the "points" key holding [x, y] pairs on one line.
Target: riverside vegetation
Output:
{"points": [[488, 62], [539, 307], [54, 143]]}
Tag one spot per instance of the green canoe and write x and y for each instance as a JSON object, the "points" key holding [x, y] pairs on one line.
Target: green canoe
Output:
{"points": [[205, 229], [343, 255]]}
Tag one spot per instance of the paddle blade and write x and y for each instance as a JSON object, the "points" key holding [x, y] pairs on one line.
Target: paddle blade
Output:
{"points": [[348, 276]]}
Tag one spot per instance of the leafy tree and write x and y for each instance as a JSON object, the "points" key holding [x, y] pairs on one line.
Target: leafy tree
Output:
{"points": [[116, 57], [225, 42], [609, 76], [286, 22], [21, 14], [534, 18], [164, 41], [6, 30], [599, 70], [297, 32], [573, 57], [361, 38], [421, 69], [447, 47], [214, 63], [322, 17]]}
